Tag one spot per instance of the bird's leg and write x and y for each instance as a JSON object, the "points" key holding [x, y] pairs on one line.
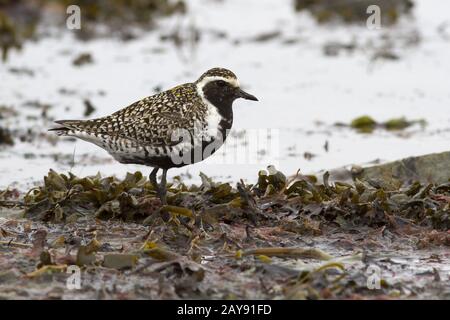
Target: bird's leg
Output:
{"points": [[153, 180], [162, 187]]}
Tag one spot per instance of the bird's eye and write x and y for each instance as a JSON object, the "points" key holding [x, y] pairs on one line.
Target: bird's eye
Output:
{"points": [[221, 83]]}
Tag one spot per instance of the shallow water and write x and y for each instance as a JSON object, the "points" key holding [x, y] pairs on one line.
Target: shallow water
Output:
{"points": [[302, 92]]}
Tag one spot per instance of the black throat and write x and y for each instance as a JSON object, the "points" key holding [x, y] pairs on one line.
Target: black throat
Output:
{"points": [[222, 97]]}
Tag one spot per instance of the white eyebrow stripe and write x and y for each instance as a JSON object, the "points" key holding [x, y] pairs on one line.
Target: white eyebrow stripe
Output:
{"points": [[205, 80]]}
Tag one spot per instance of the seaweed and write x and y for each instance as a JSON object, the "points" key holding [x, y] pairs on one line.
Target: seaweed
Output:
{"points": [[280, 238], [19, 20], [6, 137], [326, 11], [132, 11], [18, 23], [83, 59], [366, 124], [363, 124], [66, 197]]}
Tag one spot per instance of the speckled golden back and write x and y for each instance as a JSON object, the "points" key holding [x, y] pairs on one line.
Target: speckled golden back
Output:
{"points": [[150, 121]]}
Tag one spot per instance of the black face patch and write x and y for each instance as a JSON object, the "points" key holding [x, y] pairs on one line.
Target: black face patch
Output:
{"points": [[221, 94]]}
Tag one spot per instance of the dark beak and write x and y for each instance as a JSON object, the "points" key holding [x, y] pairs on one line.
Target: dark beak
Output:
{"points": [[245, 95]]}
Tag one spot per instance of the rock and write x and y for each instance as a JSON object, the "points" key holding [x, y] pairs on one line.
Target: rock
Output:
{"points": [[120, 261], [434, 168], [430, 168]]}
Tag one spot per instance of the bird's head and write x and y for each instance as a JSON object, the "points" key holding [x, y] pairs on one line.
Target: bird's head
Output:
{"points": [[221, 87]]}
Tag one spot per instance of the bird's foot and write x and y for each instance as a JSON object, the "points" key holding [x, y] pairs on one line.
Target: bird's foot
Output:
{"points": [[162, 196], [160, 189]]}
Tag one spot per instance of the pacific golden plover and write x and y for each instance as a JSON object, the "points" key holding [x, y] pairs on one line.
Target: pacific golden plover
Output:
{"points": [[180, 126]]}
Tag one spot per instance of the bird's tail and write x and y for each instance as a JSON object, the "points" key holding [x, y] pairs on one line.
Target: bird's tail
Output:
{"points": [[66, 127]]}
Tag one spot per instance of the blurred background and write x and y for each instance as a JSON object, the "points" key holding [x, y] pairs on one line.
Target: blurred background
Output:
{"points": [[332, 91]]}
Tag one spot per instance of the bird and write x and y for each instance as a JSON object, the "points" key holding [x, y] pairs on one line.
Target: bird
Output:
{"points": [[171, 129]]}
